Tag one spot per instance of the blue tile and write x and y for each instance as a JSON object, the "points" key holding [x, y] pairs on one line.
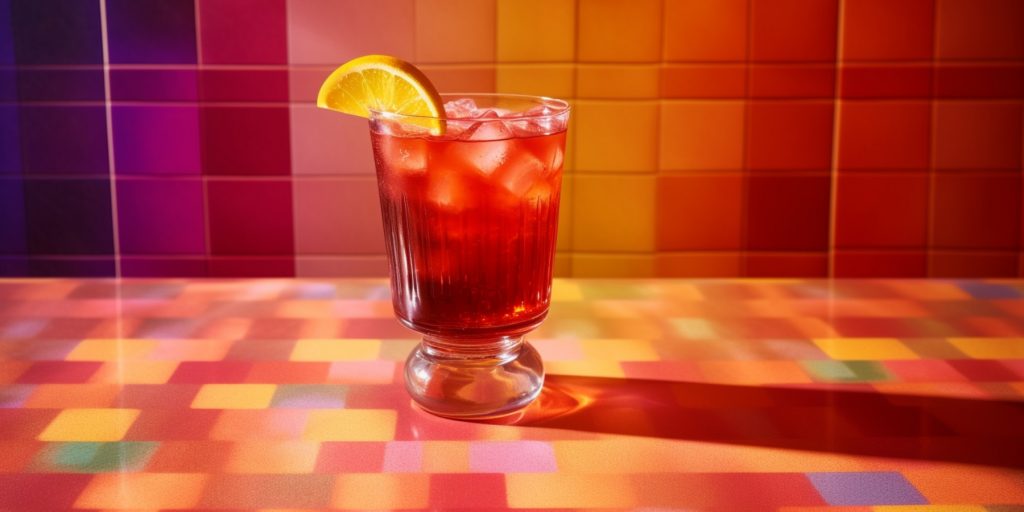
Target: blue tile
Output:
{"points": [[56, 31], [868, 488], [12, 216], [980, 290], [151, 32], [68, 217], [64, 140], [60, 84], [10, 140]]}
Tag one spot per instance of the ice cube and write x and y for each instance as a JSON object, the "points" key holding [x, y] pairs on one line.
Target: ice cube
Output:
{"points": [[540, 192], [447, 190], [405, 154], [520, 173], [460, 108], [484, 146]]}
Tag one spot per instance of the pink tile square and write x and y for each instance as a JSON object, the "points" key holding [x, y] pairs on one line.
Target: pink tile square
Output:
{"points": [[243, 31], [512, 457], [403, 457], [326, 142], [341, 266], [334, 31], [304, 82], [337, 216]]}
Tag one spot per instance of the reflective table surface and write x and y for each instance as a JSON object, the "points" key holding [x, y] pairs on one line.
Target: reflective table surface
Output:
{"points": [[661, 394]]}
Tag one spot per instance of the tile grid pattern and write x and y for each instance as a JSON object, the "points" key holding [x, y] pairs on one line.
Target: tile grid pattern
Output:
{"points": [[751, 137], [260, 394]]}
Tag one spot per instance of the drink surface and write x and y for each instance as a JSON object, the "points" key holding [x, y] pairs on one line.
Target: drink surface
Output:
{"points": [[470, 221]]}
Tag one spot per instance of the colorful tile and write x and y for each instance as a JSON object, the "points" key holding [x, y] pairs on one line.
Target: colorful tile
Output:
{"points": [[162, 32], [523, 36], [334, 31], [889, 488], [160, 217], [697, 31], [880, 30], [351, 425], [637, 26], [699, 211], [775, 36], [460, 31], [701, 135], [248, 141], [89, 425], [234, 396], [243, 31], [250, 217], [789, 135], [33, 25]]}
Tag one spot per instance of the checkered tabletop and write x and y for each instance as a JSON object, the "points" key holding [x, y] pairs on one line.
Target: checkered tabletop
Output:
{"points": [[724, 395]]}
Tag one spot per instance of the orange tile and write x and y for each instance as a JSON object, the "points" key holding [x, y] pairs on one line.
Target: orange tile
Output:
{"points": [[980, 29], [697, 264], [557, 490], [789, 135], [963, 264], [880, 264], [884, 135], [273, 457], [701, 135], [351, 425], [554, 80], [699, 212], [792, 81], [701, 31], [886, 30], [143, 491], [110, 350], [601, 81], [455, 31], [616, 136], [599, 227], [987, 485], [636, 25], [881, 210], [445, 457], [688, 81], [612, 265], [562, 265], [367, 491], [336, 350], [259, 424], [793, 30], [135, 372], [754, 372], [65, 396], [976, 135], [334, 31], [976, 211], [461, 77], [234, 396], [526, 36], [807, 264]]}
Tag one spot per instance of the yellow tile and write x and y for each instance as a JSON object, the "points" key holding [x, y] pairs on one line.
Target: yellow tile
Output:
{"points": [[562, 265], [536, 30], [455, 30], [617, 31], [234, 396], [602, 81], [564, 241], [363, 491], [559, 490], [351, 425], [89, 425], [873, 349], [616, 136], [584, 368], [111, 350], [135, 372], [554, 80], [445, 457], [990, 348], [613, 265], [565, 291], [272, 457], [142, 491], [701, 135], [601, 220], [336, 350], [618, 350]]}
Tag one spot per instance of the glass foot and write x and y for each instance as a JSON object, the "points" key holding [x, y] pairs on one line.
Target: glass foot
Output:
{"points": [[474, 379]]}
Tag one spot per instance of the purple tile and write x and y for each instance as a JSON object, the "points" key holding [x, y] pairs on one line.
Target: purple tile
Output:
{"points": [[63, 140], [160, 216], [77, 22], [155, 31], [403, 457], [12, 213], [13, 266], [156, 139], [71, 267], [512, 457], [153, 84], [851, 489], [13, 396], [69, 216], [10, 142], [135, 266], [6, 42], [60, 84]]}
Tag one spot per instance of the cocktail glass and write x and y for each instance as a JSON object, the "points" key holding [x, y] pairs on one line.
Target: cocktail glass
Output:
{"points": [[470, 220]]}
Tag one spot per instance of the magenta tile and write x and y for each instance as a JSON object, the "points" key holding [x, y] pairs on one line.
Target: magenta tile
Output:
{"points": [[337, 216], [12, 210], [243, 31], [156, 31], [165, 84], [137, 266], [324, 142], [156, 139], [252, 267], [334, 31], [250, 217], [13, 266], [885, 81], [245, 140], [243, 85], [512, 457], [160, 217]]}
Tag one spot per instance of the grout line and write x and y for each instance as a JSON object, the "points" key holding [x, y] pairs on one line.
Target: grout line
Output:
{"points": [[932, 116], [199, 103], [111, 161], [744, 170], [837, 103]]}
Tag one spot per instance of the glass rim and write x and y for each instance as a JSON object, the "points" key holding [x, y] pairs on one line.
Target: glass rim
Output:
{"points": [[561, 107]]}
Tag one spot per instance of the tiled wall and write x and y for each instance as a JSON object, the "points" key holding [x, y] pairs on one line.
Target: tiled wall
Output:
{"points": [[710, 137]]}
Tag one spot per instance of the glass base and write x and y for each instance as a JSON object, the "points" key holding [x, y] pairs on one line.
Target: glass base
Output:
{"points": [[474, 379]]}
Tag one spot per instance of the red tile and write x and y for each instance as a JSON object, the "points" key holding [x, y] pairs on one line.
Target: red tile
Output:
{"points": [[173, 424], [792, 81], [245, 140], [976, 211], [885, 81], [698, 264], [288, 372], [205, 372], [880, 264], [243, 85], [141, 266], [701, 31], [190, 457], [979, 81], [794, 30], [350, 458], [980, 29], [881, 210], [243, 31], [786, 212], [699, 211], [888, 30], [250, 217], [703, 81], [789, 135], [984, 371], [978, 135], [252, 267], [449, 491], [41, 491], [884, 135], [59, 372], [785, 264]]}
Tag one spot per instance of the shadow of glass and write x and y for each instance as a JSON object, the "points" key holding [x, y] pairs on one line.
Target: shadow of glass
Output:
{"points": [[868, 423]]}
